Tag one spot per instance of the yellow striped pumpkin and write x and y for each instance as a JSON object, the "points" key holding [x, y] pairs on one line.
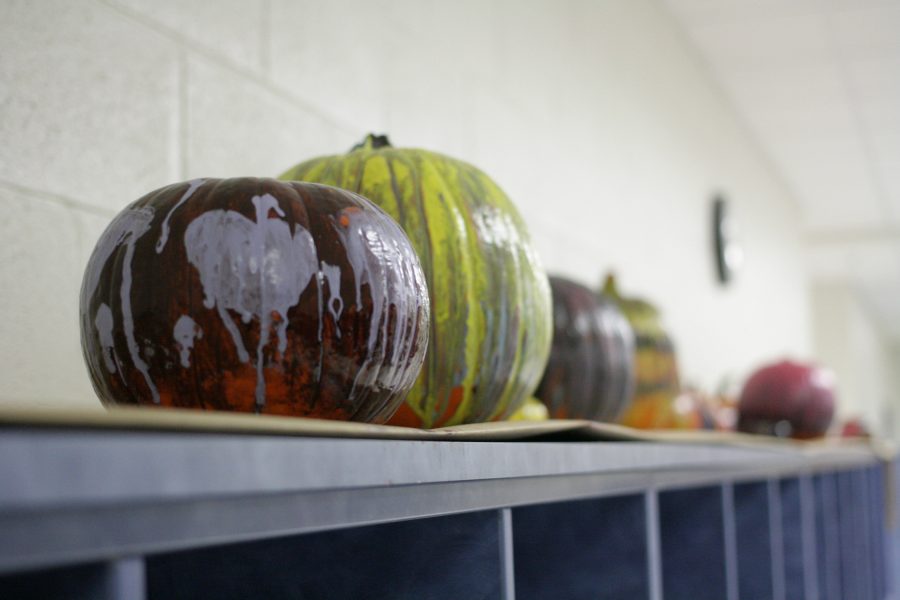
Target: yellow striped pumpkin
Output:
{"points": [[657, 386], [491, 307]]}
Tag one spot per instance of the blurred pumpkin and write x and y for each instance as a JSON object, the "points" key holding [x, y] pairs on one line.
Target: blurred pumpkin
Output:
{"points": [[788, 399], [664, 411], [656, 371], [532, 410], [855, 428], [590, 373]]}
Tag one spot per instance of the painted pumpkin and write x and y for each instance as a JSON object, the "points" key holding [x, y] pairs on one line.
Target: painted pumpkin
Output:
{"points": [[665, 411], [590, 374], [532, 410], [490, 297], [788, 399], [255, 295], [656, 370]]}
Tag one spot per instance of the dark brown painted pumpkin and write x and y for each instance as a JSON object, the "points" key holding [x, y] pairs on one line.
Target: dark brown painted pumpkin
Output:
{"points": [[255, 295], [590, 374]]}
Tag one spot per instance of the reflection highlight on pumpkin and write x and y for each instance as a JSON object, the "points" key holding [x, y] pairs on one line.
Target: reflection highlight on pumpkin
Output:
{"points": [[255, 295], [491, 321]]}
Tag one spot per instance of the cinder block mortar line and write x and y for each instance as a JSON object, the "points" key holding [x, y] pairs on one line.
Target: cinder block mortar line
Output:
{"points": [[55, 198], [248, 74]]}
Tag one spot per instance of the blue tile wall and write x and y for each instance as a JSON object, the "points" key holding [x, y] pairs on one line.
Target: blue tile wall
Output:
{"points": [[591, 549], [692, 543], [828, 540], [447, 558], [792, 538], [754, 541], [69, 583]]}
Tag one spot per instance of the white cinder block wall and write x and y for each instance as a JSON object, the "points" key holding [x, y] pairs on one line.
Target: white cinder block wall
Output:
{"points": [[595, 116], [849, 341]]}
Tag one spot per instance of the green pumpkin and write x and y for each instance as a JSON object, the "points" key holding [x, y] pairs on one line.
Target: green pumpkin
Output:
{"points": [[491, 306]]}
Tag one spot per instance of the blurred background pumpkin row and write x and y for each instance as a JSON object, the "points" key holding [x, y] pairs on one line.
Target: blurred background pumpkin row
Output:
{"points": [[386, 285]]}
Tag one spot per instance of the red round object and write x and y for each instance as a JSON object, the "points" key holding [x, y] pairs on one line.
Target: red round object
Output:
{"points": [[787, 399], [255, 295], [855, 428]]}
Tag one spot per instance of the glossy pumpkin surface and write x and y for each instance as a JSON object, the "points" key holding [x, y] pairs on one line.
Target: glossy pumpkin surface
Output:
{"points": [[532, 410], [788, 399], [590, 374], [491, 323], [665, 411], [255, 295]]}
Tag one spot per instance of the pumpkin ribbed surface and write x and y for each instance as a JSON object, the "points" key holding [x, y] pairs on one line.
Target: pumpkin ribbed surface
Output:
{"points": [[255, 295], [656, 369], [590, 374], [491, 310]]}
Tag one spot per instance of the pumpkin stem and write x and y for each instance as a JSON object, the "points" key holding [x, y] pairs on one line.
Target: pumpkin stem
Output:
{"points": [[609, 286], [372, 142]]}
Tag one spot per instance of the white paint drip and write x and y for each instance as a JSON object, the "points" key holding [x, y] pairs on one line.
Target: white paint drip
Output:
{"points": [[332, 274], [235, 334], [381, 259], [130, 222], [104, 324], [317, 373], [185, 332], [126, 229], [164, 229], [257, 269], [125, 299]]}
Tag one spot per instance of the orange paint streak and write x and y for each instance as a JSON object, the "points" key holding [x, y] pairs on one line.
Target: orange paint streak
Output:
{"points": [[166, 398], [561, 413], [456, 398], [277, 390], [240, 389], [658, 411], [405, 417], [344, 219]]}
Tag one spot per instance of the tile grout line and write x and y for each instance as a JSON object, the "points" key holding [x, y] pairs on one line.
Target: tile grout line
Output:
{"points": [[653, 542], [729, 531], [507, 562], [210, 55], [808, 536], [126, 578], [58, 199], [776, 538]]}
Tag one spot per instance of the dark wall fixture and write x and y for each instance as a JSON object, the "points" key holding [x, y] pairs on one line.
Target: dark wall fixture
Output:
{"points": [[728, 252]]}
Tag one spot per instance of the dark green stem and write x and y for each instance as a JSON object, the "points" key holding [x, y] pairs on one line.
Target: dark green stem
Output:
{"points": [[372, 142]]}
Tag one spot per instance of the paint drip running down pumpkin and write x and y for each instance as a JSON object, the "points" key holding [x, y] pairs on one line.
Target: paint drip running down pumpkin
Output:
{"points": [[255, 295]]}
